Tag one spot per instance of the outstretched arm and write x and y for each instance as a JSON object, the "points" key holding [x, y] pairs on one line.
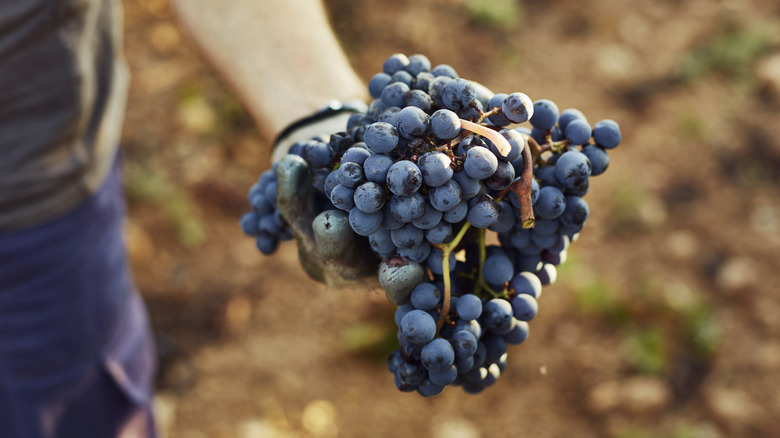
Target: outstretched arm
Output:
{"points": [[280, 57]]}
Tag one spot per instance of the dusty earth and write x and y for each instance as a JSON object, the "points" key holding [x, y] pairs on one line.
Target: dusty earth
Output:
{"points": [[664, 322]]}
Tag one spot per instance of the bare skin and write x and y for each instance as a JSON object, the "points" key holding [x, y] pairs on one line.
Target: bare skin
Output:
{"points": [[280, 57]]}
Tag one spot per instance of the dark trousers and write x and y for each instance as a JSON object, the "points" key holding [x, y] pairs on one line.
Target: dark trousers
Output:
{"points": [[76, 351]]}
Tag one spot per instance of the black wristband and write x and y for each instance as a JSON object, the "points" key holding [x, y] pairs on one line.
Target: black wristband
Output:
{"points": [[333, 107]]}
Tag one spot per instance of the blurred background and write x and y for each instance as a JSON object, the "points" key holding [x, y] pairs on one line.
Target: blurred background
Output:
{"points": [[664, 322]]}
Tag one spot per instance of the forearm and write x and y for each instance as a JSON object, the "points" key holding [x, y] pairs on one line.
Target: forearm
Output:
{"points": [[281, 58]]}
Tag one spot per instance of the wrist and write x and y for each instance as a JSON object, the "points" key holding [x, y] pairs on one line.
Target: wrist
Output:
{"points": [[327, 120]]}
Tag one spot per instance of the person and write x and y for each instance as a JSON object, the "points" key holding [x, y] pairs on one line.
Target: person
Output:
{"points": [[76, 348]]}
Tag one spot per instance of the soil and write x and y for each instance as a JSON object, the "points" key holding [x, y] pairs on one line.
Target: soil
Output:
{"points": [[664, 320]]}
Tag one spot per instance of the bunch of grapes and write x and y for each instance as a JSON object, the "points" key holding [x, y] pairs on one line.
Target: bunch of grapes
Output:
{"points": [[431, 167]]}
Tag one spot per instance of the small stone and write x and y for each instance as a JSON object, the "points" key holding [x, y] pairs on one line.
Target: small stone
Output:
{"points": [[640, 394], [604, 397], [731, 406], [643, 394], [768, 74], [736, 274], [319, 419]]}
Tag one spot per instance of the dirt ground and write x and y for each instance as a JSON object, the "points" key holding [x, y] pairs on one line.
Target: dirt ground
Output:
{"points": [[664, 322]]}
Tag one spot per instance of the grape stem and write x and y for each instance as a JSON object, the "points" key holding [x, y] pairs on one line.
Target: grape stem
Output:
{"points": [[446, 250], [523, 185], [498, 140], [537, 150]]}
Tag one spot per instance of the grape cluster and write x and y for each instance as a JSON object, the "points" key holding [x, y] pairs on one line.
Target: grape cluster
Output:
{"points": [[423, 175], [265, 221]]}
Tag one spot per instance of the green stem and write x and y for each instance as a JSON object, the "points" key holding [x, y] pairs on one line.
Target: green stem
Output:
{"points": [[482, 256], [446, 250]]}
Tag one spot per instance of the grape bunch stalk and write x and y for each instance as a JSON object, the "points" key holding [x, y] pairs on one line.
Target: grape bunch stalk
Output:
{"points": [[423, 175]]}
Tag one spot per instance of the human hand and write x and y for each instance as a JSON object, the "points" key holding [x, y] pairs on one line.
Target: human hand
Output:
{"points": [[328, 248]]}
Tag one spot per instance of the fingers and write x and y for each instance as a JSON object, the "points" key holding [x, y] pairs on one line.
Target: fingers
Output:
{"points": [[328, 249], [296, 200], [344, 255]]}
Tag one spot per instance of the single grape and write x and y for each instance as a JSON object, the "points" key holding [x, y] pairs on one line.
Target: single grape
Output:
{"points": [[435, 261], [518, 107], [480, 163], [438, 355], [430, 218], [606, 133], [518, 333], [389, 115], [317, 154], [446, 197], [412, 122], [394, 361], [498, 268], [598, 157], [506, 218], [578, 131], [417, 98], [419, 253], [458, 94], [572, 169], [408, 236], [524, 307], [407, 208], [350, 174], [249, 224], [464, 343], [356, 154], [381, 137], [526, 283], [376, 166], [425, 296], [418, 327], [403, 77], [444, 70], [457, 214], [551, 203], [428, 389], [545, 114], [502, 177], [445, 124], [381, 242], [516, 142], [422, 82], [411, 373], [365, 224], [469, 186], [417, 64], [369, 197], [404, 178], [394, 63], [469, 307], [267, 244], [435, 168], [497, 315], [436, 89], [377, 83], [575, 213], [483, 211], [445, 377], [342, 197], [440, 233]]}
